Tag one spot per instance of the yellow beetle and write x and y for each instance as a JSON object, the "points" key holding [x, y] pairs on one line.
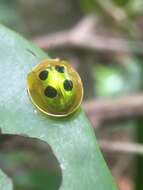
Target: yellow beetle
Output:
{"points": [[55, 88]]}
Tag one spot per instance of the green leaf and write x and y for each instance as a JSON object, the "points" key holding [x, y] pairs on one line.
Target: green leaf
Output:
{"points": [[121, 2], [5, 182], [71, 139], [127, 78]]}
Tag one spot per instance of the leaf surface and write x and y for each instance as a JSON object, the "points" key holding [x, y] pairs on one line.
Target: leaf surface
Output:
{"points": [[72, 139]]}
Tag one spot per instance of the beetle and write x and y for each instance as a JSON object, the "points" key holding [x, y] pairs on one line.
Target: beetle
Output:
{"points": [[55, 88]]}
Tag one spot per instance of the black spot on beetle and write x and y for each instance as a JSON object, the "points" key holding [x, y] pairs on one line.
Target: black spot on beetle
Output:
{"points": [[59, 68], [50, 92], [68, 85], [43, 75]]}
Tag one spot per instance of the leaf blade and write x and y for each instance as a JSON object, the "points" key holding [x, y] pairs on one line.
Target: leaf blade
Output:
{"points": [[5, 182], [72, 139]]}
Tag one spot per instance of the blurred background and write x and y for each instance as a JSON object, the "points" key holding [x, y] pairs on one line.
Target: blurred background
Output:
{"points": [[103, 41]]}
